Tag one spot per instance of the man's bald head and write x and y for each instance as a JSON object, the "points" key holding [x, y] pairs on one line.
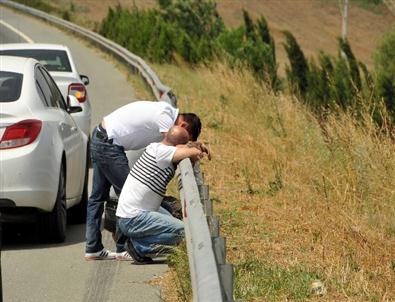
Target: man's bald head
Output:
{"points": [[177, 136]]}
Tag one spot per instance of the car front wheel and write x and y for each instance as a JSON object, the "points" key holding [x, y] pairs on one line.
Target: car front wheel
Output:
{"points": [[53, 225]]}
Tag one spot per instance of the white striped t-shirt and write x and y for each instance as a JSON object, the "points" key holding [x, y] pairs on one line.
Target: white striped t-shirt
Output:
{"points": [[147, 181]]}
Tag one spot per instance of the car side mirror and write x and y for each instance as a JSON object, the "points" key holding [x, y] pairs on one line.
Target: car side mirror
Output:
{"points": [[84, 79], [73, 106]]}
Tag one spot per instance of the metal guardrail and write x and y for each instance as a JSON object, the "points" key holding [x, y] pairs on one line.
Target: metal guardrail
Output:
{"points": [[211, 276]]}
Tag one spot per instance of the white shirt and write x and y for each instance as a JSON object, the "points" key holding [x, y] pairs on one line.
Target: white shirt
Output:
{"points": [[146, 183], [138, 124]]}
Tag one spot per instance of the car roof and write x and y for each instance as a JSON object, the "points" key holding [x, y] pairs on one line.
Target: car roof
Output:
{"points": [[32, 46], [15, 64]]}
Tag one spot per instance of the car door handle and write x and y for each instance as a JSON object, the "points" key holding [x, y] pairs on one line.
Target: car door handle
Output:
{"points": [[74, 128]]}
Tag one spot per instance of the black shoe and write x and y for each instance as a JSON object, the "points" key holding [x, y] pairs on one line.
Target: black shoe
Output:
{"points": [[136, 257]]}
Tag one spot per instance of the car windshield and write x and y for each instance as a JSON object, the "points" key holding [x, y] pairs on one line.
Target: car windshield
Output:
{"points": [[10, 86], [53, 60]]}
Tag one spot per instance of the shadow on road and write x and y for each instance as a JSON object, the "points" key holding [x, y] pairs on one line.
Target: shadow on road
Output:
{"points": [[26, 236]]}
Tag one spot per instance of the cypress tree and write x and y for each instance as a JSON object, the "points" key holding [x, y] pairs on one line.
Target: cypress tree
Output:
{"points": [[263, 30], [315, 93], [326, 77], [368, 79], [249, 27], [386, 90], [352, 63], [297, 73], [271, 64], [343, 90]]}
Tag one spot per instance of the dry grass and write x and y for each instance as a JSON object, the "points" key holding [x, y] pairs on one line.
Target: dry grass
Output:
{"points": [[290, 197]]}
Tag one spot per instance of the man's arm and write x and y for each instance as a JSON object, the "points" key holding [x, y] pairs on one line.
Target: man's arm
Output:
{"points": [[202, 147], [183, 151]]}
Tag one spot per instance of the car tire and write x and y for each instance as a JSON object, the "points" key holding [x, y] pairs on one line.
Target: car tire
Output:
{"points": [[53, 225], [78, 212]]}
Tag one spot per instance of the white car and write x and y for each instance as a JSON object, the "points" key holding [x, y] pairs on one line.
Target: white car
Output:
{"points": [[57, 59], [43, 153]]}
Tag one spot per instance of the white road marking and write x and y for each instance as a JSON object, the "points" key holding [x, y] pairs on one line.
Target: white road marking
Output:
{"points": [[18, 32]]}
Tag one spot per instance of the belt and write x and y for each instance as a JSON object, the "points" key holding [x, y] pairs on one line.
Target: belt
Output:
{"points": [[101, 133]]}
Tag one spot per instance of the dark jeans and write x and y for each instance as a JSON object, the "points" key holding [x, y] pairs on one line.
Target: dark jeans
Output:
{"points": [[152, 231], [110, 168]]}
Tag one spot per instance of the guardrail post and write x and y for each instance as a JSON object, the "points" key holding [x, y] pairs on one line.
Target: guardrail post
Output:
{"points": [[226, 273], [225, 269], [206, 201], [213, 223], [219, 246]]}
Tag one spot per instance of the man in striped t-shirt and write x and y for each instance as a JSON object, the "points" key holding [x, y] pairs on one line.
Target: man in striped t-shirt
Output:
{"points": [[140, 216]]}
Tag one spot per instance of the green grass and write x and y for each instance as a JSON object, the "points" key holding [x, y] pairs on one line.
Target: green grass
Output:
{"points": [[255, 278], [178, 260]]}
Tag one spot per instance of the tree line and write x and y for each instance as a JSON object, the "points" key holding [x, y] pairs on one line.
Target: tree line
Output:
{"points": [[194, 31]]}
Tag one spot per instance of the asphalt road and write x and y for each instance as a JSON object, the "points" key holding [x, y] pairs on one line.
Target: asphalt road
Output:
{"points": [[32, 271]]}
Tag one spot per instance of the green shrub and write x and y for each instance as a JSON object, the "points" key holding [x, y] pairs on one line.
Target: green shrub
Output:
{"points": [[198, 18], [161, 49], [230, 44], [194, 30]]}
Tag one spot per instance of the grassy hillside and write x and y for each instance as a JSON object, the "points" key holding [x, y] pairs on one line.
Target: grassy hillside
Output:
{"points": [[298, 202]]}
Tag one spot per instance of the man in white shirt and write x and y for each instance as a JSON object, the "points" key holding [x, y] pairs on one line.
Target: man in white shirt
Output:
{"points": [[131, 127], [140, 217]]}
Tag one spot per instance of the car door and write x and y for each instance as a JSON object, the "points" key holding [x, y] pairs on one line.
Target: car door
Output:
{"points": [[69, 134]]}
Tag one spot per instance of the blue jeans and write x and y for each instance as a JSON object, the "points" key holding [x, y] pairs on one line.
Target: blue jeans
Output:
{"points": [[149, 231], [110, 168]]}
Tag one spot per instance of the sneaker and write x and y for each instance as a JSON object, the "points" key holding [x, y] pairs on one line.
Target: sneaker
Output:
{"points": [[101, 255], [136, 257], [124, 256]]}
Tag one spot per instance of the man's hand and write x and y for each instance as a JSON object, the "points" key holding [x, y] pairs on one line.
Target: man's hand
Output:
{"points": [[183, 151], [202, 147]]}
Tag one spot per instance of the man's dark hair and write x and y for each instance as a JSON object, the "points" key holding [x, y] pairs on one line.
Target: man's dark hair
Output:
{"points": [[194, 125]]}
